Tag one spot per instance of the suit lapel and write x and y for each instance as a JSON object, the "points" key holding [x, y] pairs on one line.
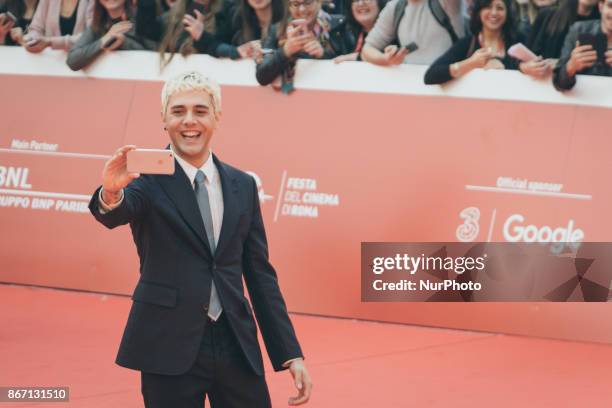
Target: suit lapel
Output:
{"points": [[180, 191], [231, 211]]}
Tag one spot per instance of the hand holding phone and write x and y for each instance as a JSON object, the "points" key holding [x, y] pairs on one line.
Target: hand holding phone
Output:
{"points": [[6, 23], [394, 55], [583, 56], [194, 24], [296, 37], [537, 68], [299, 24], [115, 175]]}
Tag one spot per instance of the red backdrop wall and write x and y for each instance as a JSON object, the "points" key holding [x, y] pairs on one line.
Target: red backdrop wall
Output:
{"points": [[402, 167]]}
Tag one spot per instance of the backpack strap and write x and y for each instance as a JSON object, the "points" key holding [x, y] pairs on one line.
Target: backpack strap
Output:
{"points": [[442, 18], [398, 13]]}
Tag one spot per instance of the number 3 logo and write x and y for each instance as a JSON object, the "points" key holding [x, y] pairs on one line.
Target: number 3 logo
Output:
{"points": [[468, 231]]}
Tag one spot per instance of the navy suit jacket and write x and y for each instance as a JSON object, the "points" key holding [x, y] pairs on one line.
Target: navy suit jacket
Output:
{"points": [[169, 310]]}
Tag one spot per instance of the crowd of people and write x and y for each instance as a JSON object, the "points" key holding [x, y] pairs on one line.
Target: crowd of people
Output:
{"points": [[553, 39]]}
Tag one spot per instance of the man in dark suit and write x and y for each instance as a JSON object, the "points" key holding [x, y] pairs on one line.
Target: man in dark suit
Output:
{"points": [[198, 233]]}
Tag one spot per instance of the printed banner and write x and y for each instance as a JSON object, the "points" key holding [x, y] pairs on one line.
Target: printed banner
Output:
{"points": [[334, 169], [486, 272]]}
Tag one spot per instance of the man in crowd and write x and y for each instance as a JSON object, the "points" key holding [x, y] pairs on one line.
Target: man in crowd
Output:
{"points": [[592, 58]]}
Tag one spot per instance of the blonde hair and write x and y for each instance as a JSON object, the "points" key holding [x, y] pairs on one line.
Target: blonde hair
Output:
{"points": [[192, 81]]}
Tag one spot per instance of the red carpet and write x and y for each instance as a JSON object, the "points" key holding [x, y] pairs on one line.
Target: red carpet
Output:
{"points": [[59, 338]]}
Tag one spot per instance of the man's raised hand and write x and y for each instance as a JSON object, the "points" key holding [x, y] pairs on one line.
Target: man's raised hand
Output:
{"points": [[115, 176]]}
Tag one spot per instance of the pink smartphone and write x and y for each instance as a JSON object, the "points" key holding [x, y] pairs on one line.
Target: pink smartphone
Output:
{"points": [[11, 17], [150, 161], [298, 21], [521, 53], [32, 42], [299, 24]]}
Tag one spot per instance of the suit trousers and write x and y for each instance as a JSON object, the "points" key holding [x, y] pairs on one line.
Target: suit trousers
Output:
{"points": [[220, 372]]}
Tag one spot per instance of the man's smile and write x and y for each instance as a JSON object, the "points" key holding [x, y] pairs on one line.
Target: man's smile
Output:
{"points": [[191, 134]]}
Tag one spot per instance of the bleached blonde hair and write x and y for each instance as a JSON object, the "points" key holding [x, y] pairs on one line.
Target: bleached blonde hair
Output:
{"points": [[188, 81]]}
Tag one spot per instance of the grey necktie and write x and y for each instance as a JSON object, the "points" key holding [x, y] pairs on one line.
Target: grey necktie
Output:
{"points": [[214, 307]]}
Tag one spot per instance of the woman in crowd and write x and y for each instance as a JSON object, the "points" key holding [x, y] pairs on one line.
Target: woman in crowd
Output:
{"points": [[493, 32], [360, 18], [305, 32], [11, 33], [190, 26], [57, 24], [111, 29], [552, 24], [253, 20], [526, 12]]}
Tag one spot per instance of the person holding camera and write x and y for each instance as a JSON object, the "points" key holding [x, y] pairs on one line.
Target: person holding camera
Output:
{"points": [[189, 27], [57, 24], [493, 32], [15, 18], [306, 32], [587, 49], [112, 29]]}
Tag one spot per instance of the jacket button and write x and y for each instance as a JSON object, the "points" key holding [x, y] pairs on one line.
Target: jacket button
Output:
{"points": [[206, 308]]}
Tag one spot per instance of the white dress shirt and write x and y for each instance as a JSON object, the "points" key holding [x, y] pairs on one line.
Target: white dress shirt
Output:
{"points": [[213, 185]]}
